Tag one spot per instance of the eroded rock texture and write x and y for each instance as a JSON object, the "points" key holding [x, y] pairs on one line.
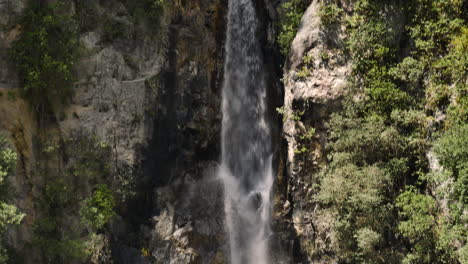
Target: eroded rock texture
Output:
{"points": [[315, 81], [150, 96]]}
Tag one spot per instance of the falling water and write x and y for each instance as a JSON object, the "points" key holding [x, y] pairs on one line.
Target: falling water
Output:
{"points": [[246, 141]]}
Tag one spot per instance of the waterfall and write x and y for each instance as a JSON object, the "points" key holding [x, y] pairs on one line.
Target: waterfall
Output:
{"points": [[246, 168]]}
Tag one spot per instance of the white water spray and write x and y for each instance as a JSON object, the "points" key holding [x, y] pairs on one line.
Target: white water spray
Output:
{"points": [[246, 140]]}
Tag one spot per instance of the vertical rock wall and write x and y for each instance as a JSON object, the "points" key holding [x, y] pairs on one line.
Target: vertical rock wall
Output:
{"points": [[152, 98], [315, 80]]}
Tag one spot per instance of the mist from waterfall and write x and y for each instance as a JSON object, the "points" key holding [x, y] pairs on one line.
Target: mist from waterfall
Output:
{"points": [[246, 167]]}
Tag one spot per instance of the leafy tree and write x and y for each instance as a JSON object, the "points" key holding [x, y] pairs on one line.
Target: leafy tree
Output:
{"points": [[9, 214], [452, 150], [55, 241], [417, 212], [98, 209], [44, 55], [368, 159], [292, 11], [57, 233], [378, 142], [330, 14]]}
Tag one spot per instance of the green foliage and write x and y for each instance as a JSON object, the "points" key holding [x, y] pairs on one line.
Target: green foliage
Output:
{"points": [[368, 140], [291, 14], [330, 14], [91, 158], [438, 32], [410, 71], [44, 55], [9, 214], [378, 143], [417, 222], [99, 209], [452, 149], [309, 134], [295, 116], [416, 211], [370, 44], [456, 66], [368, 159], [57, 232], [50, 236], [372, 48], [308, 64], [56, 245], [357, 196], [324, 56], [368, 240], [432, 24], [304, 72]]}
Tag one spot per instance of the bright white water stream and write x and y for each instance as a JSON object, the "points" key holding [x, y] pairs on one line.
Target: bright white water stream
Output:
{"points": [[246, 140]]}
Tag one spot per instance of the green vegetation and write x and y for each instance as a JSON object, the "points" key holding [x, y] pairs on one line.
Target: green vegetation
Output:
{"points": [[58, 232], [44, 55], [291, 14], [417, 225], [9, 214], [99, 209], [368, 159], [295, 116], [56, 241], [307, 66], [304, 72], [389, 207], [330, 14]]}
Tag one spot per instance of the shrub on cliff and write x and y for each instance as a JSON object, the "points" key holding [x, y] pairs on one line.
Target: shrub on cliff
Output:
{"points": [[291, 14], [98, 209], [9, 214], [44, 55], [389, 207]]}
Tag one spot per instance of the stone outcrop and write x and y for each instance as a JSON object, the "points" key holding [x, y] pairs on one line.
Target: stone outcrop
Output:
{"points": [[152, 98], [315, 78]]}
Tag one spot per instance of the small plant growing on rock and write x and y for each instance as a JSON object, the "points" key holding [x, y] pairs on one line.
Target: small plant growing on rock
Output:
{"points": [[301, 150], [304, 72], [296, 116], [98, 209], [308, 60], [309, 134], [308, 64], [324, 56]]}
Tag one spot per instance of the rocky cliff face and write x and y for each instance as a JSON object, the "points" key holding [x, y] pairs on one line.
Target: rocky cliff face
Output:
{"points": [[315, 81], [180, 163], [147, 103], [151, 97]]}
